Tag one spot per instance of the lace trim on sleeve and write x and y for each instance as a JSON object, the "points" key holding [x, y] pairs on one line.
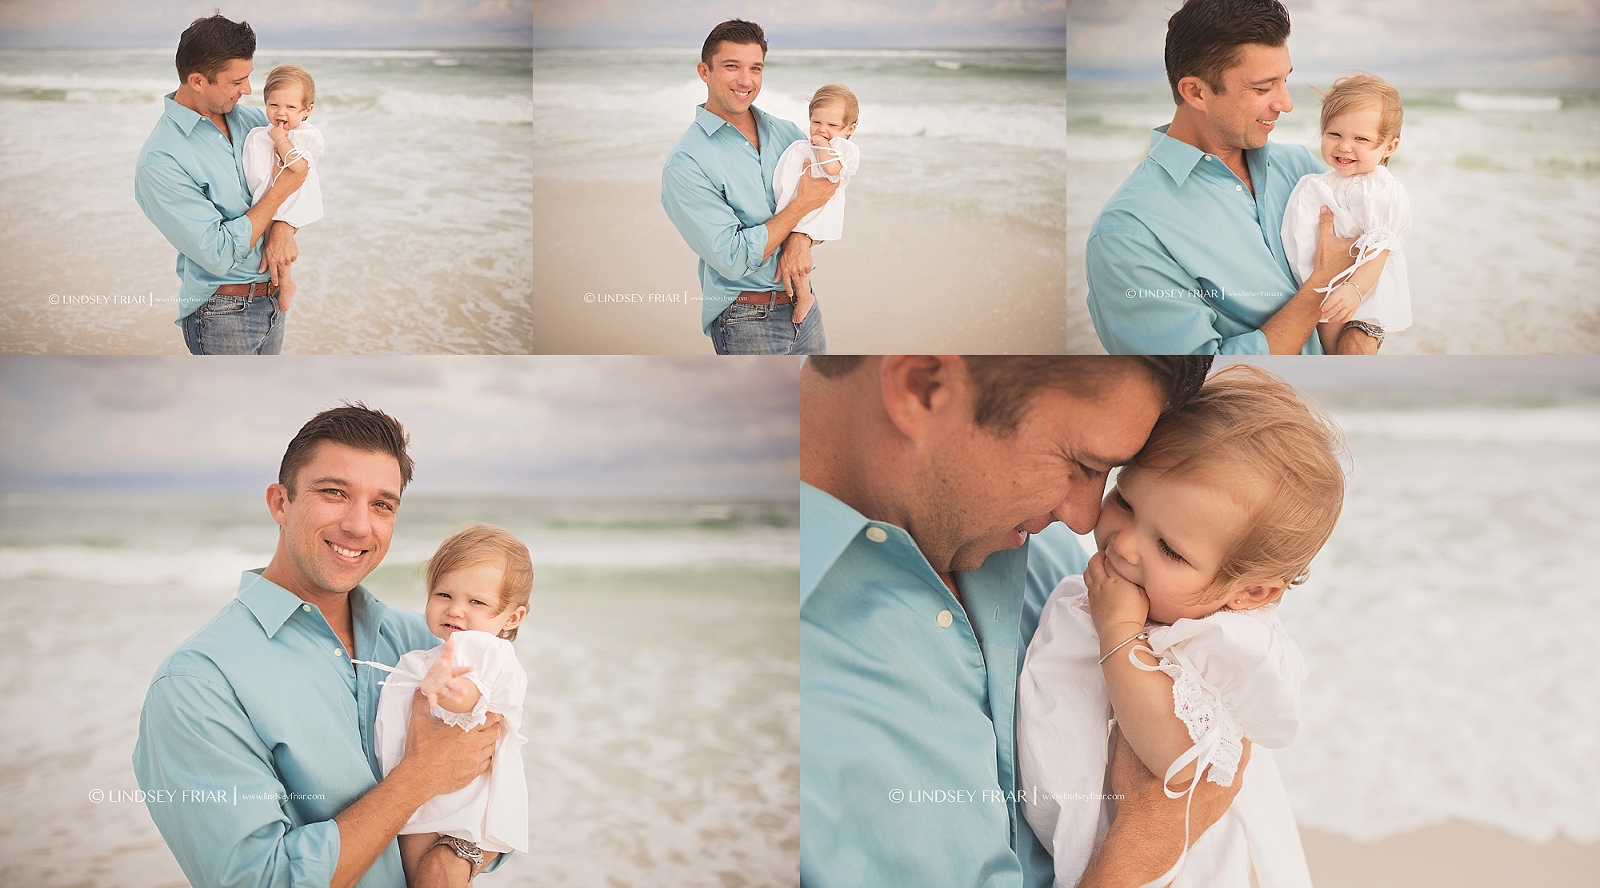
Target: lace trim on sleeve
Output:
{"points": [[1199, 709], [466, 721]]}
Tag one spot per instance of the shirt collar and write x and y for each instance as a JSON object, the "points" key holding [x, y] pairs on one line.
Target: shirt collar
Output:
{"points": [[185, 118], [826, 528], [1179, 158], [273, 605], [711, 122]]}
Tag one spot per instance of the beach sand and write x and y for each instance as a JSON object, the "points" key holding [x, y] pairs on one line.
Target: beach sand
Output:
{"points": [[1455, 853], [957, 284]]}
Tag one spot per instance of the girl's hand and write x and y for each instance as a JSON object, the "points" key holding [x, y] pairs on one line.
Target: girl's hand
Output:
{"points": [[1340, 305], [443, 678], [1114, 601]]}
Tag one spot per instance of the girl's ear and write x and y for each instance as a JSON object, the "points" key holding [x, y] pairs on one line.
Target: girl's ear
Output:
{"points": [[1255, 595]]}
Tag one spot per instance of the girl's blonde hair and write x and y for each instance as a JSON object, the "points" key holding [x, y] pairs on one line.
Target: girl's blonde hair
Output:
{"points": [[1359, 91], [486, 544], [1248, 432], [829, 93], [283, 75]]}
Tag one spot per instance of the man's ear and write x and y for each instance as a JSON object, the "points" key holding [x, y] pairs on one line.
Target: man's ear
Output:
{"points": [[918, 389], [1194, 92], [705, 71], [278, 503]]}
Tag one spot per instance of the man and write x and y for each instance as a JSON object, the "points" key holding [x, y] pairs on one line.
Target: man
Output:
{"points": [[189, 181], [930, 490], [717, 189], [1187, 257], [255, 743]]}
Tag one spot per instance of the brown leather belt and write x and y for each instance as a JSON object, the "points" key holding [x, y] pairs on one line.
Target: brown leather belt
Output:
{"points": [[260, 288], [763, 297]]}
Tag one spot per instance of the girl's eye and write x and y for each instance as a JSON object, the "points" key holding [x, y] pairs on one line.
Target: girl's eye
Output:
{"points": [[1116, 496], [1167, 551]]}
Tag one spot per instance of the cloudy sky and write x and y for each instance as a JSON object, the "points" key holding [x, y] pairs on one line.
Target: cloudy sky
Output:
{"points": [[1412, 42], [277, 23], [537, 426], [805, 23]]}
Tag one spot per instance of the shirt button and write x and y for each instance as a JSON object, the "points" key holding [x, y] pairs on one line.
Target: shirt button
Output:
{"points": [[945, 619], [338, 651], [1205, 157], [306, 608], [1238, 188], [877, 534]]}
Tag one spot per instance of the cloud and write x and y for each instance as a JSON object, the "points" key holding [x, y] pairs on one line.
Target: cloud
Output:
{"points": [[546, 426], [1415, 42]]}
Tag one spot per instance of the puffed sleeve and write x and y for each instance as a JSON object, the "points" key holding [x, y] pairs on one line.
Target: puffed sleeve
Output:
{"points": [[258, 162], [850, 153], [1385, 210], [1250, 664]]}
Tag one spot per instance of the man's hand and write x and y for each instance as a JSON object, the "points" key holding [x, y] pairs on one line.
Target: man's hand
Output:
{"points": [[281, 250], [1119, 608], [794, 271], [1333, 252], [445, 758], [813, 191], [1147, 835]]}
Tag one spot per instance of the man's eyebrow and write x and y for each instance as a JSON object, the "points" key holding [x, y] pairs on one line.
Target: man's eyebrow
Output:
{"points": [[1100, 463], [340, 482]]}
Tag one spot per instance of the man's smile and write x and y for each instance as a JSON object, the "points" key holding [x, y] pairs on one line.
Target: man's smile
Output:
{"points": [[351, 556]]}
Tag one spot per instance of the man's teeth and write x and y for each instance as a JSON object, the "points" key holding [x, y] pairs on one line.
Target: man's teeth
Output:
{"points": [[348, 553]]}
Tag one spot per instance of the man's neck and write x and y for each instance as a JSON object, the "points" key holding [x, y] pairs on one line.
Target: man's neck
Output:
{"points": [[188, 99], [1187, 129], [335, 606], [744, 123]]}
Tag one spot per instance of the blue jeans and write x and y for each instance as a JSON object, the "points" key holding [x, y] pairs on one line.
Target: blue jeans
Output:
{"points": [[745, 329], [235, 325]]}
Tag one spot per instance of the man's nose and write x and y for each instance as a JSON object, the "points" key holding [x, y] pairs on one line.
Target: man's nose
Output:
{"points": [[1081, 509], [1284, 103]]}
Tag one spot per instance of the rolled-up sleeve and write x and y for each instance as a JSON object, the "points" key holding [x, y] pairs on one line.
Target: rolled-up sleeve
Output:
{"points": [[188, 220], [708, 224], [1142, 301], [211, 789]]}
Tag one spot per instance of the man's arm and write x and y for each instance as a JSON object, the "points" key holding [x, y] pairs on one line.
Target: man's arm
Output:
{"points": [[711, 228], [1146, 837], [191, 223], [1143, 302], [1288, 330], [439, 758], [811, 194]]}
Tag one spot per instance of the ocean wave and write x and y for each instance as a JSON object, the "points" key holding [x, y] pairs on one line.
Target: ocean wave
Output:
{"points": [[77, 83], [458, 108], [1471, 101], [1558, 426], [1020, 126]]}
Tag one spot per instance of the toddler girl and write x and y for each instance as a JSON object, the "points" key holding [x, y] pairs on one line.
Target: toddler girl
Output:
{"points": [[1171, 631], [1361, 118], [478, 587], [289, 94], [829, 153]]}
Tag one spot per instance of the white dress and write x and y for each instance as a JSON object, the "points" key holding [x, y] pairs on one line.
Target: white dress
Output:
{"points": [[1372, 207], [826, 222], [260, 163], [1235, 675], [492, 810]]}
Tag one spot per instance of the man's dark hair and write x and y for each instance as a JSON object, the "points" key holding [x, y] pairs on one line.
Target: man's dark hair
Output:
{"points": [[733, 31], [209, 44], [353, 425], [1007, 383], [1203, 38]]}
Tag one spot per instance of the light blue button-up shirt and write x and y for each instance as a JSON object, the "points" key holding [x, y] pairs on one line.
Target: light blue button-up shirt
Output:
{"points": [[257, 730], [717, 190], [1184, 259], [907, 705], [190, 182]]}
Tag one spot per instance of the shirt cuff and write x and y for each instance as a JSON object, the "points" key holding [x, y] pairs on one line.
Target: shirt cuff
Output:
{"points": [[1252, 343], [313, 852], [755, 239], [239, 231]]}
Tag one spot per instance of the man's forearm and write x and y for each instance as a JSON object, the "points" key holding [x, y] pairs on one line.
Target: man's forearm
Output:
{"points": [[261, 214], [1131, 856], [779, 227], [372, 822], [1288, 330]]}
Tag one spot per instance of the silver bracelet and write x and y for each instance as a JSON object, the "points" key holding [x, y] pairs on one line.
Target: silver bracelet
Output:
{"points": [[1119, 647], [1353, 284]]}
